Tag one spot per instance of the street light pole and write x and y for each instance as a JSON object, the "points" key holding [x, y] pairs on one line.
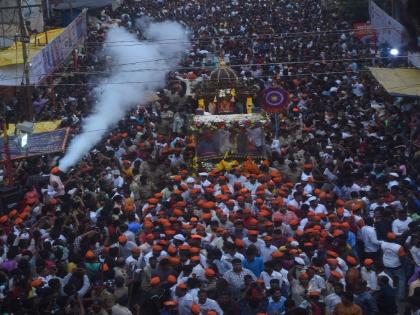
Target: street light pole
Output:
{"points": [[28, 112]]}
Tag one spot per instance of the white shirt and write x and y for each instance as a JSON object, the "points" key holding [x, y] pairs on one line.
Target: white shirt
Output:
{"points": [[184, 303], [267, 251], [134, 263], [317, 283], [399, 226], [331, 301], [320, 208], [370, 277], [120, 310], [118, 182], [390, 256], [274, 275], [199, 272], [370, 239], [415, 253], [210, 305]]}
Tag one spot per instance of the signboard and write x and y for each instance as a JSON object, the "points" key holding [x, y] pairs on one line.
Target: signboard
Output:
{"points": [[38, 144], [275, 100], [387, 28], [56, 52]]}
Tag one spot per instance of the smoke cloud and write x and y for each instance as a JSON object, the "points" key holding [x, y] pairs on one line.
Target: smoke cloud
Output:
{"points": [[132, 61]]}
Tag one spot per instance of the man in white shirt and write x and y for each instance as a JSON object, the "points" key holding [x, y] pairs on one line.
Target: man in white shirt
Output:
{"points": [[185, 300], [56, 183], [207, 304], [120, 307], [333, 299], [392, 256], [268, 249], [235, 277], [269, 274], [400, 225], [117, 180], [371, 244], [316, 282]]}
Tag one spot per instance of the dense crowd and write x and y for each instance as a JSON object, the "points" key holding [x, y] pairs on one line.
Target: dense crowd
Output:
{"points": [[327, 224]]}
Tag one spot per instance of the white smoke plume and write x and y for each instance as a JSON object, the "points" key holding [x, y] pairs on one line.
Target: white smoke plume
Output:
{"points": [[132, 61]]}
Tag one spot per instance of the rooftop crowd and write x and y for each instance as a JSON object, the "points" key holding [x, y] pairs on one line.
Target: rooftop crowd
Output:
{"points": [[327, 224]]}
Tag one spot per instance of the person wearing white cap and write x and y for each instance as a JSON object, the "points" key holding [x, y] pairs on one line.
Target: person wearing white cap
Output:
{"points": [[204, 181], [393, 180], [117, 180], [179, 237], [316, 207]]}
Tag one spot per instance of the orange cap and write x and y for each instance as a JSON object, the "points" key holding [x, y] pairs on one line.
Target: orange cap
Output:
{"points": [[368, 262], [154, 281], [351, 260], [195, 309], [175, 261], [314, 293], [336, 274], [122, 239], [332, 261], [277, 254], [18, 221], [182, 286], [170, 303], [253, 232], [294, 222], [210, 272], [105, 267], [90, 254], [391, 236], [36, 282]]}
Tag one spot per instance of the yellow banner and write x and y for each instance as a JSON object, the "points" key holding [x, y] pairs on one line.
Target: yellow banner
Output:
{"points": [[398, 81], [13, 54], [41, 126]]}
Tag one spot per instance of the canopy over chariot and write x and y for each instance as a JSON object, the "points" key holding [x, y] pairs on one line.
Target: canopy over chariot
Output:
{"points": [[225, 123]]}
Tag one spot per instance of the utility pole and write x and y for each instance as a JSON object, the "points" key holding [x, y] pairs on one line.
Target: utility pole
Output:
{"points": [[24, 37], [6, 147]]}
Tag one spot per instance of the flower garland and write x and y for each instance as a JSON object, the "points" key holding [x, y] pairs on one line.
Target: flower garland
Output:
{"points": [[235, 121]]}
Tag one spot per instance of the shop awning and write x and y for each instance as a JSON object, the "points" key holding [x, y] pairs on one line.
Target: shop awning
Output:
{"points": [[400, 81]]}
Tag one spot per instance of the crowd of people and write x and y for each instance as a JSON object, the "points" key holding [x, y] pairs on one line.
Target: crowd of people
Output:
{"points": [[328, 223]]}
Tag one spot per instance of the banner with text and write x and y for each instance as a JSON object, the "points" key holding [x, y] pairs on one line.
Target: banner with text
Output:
{"points": [[53, 55], [387, 28]]}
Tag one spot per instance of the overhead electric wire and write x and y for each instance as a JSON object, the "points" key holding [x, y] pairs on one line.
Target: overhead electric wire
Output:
{"points": [[245, 36], [207, 80], [59, 74]]}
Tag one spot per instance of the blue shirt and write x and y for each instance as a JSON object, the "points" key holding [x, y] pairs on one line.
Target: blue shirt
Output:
{"points": [[256, 266], [276, 307], [351, 239]]}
